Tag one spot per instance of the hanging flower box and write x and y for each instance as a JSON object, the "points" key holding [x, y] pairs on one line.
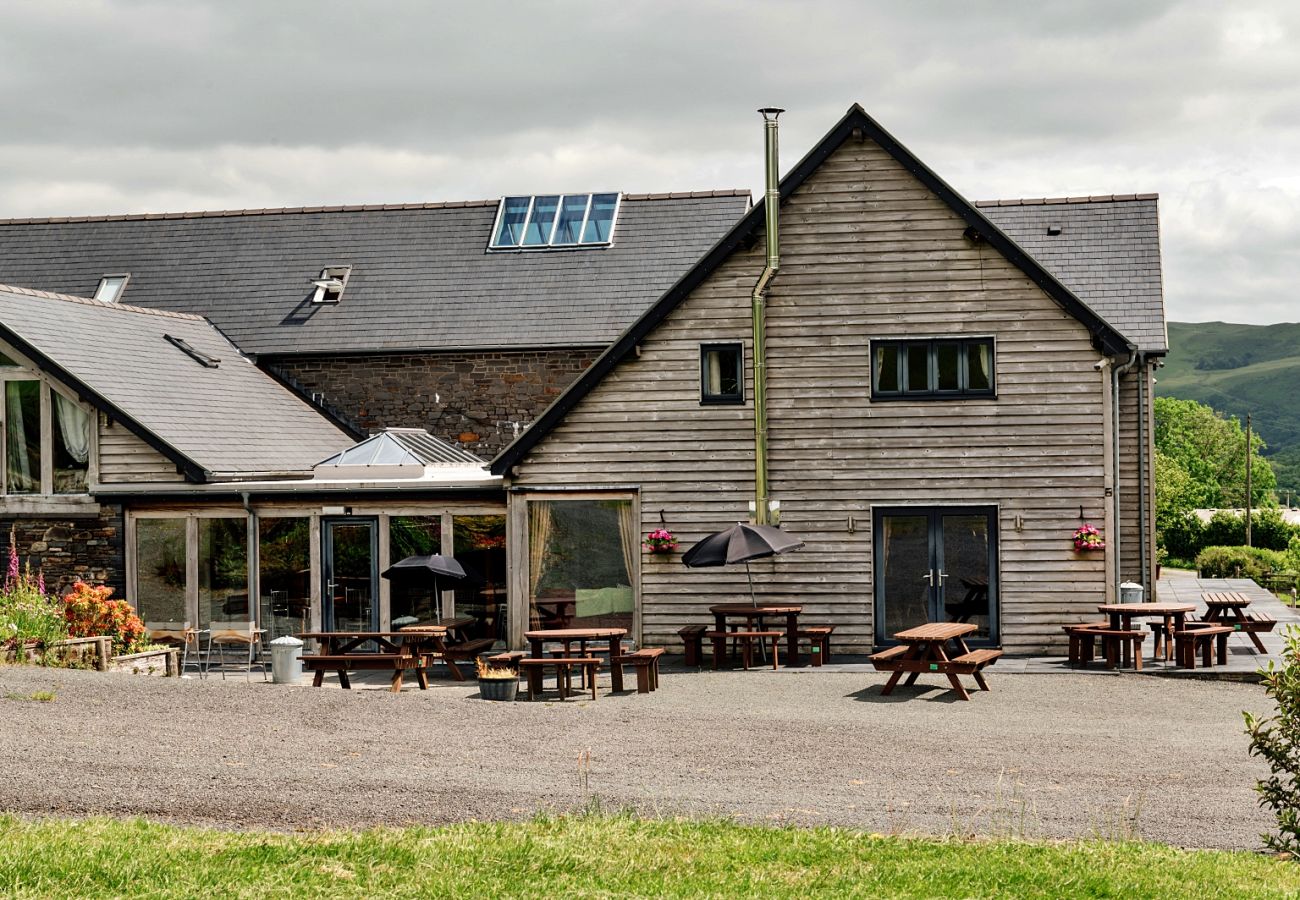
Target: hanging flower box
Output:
{"points": [[1087, 538], [661, 540]]}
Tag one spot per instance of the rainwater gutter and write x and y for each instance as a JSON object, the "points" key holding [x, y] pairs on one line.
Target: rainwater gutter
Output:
{"points": [[758, 312], [1144, 556]]}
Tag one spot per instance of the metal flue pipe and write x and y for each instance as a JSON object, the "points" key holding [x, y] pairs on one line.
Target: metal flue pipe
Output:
{"points": [[758, 312]]}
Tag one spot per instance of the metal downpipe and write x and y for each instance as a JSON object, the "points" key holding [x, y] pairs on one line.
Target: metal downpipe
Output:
{"points": [[758, 312], [1116, 372]]}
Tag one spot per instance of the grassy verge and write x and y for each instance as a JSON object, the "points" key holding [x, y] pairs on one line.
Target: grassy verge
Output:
{"points": [[601, 856]]}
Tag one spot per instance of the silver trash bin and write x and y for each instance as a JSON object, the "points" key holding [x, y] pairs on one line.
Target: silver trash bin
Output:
{"points": [[286, 660], [1130, 592]]}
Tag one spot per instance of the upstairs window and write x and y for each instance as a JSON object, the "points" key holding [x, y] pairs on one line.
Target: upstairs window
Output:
{"points": [[547, 221], [722, 373], [46, 446], [932, 369], [111, 287]]}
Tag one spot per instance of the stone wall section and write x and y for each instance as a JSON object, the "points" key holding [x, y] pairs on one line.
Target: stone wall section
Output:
{"points": [[479, 400], [67, 549]]}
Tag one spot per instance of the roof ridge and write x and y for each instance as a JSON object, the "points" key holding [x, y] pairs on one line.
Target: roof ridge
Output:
{"points": [[363, 207], [89, 301], [1054, 201]]}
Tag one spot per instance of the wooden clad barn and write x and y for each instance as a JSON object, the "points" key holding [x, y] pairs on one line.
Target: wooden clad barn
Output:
{"points": [[942, 410]]}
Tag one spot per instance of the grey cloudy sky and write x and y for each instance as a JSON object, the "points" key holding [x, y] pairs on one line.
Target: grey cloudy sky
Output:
{"points": [[114, 106]]}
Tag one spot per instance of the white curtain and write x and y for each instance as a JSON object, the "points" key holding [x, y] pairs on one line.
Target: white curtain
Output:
{"points": [[539, 535], [20, 466], [74, 425], [631, 538]]}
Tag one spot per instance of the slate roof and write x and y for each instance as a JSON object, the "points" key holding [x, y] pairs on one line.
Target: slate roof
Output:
{"points": [[421, 277], [226, 420], [1107, 252], [403, 447]]}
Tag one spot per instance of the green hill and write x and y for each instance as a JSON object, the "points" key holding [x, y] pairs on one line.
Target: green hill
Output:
{"points": [[1241, 369]]}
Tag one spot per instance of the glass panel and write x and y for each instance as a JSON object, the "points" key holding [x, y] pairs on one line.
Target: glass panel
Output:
{"points": [[538, 230], [160, 571], [569, 228], [722, 373], [918, 367], [904, 563], [579, 576], [6, 361], [479, 544], [70, 445], [948, 357], [414, 598], [284, 575], [600, 224], [22, 437], [886, 374], [511, 229], [966, 561], [223, 571], [351, 566], [110, 288], [979, 361]]}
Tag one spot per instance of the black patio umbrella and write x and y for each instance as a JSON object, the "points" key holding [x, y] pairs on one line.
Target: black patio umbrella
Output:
{"points": [[740, 544], [437, 565]]}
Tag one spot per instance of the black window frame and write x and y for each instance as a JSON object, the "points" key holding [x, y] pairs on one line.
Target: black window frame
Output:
{"points": [[736, 399], [931, 391]]}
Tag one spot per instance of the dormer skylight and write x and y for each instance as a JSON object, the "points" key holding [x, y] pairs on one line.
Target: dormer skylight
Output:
{"points": [[550, 221], [329, 287], [111, 287]]}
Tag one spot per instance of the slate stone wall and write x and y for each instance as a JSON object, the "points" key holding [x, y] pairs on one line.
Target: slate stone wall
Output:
{"points": [[476, 399], [68, 549]]}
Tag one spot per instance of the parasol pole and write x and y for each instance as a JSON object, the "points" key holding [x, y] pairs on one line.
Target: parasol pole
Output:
{"points": [[752, 599]]}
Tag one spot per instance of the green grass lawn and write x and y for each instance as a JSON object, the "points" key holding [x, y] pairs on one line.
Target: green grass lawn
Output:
{"points": [[598, 855]]}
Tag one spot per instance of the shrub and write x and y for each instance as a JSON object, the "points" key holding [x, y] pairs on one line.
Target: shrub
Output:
{"points": [[26, 612], [1276, 740], [89, 612], [1184, 537], [1239, 562], [1224, 529]]}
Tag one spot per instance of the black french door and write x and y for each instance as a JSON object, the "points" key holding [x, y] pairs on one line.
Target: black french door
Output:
{"points": [[351, 574], [936, 564]]}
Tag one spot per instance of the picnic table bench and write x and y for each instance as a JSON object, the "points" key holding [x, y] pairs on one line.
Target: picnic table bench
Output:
{"points": [[394, 651], [1229, 608], [923, 650]]}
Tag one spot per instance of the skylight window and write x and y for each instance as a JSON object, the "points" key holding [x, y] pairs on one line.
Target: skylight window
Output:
{"points": [[545, 221], [111, 287]]}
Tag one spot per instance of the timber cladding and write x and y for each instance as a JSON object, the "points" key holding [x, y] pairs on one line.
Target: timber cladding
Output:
{"points": [[867, 252]]}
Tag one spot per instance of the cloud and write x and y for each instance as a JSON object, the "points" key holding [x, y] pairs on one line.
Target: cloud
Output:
{"points": [[129, 106]]}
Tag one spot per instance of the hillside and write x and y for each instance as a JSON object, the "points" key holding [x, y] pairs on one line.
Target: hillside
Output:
{"points": [[1241, 369]]}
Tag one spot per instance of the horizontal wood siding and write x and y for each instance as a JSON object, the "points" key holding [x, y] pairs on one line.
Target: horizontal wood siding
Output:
{"points": [[124, 458], [867, 252]]}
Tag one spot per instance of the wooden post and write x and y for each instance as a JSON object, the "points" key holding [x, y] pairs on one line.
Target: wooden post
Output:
{"points": [[1249, 498]]}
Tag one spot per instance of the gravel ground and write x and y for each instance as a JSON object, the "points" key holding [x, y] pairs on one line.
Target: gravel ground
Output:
{"points": [[1040, 756]]}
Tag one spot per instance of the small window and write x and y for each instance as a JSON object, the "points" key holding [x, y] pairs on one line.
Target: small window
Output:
{"points": [[111, 287], [722, 373], [932, 369], [551, 221]]}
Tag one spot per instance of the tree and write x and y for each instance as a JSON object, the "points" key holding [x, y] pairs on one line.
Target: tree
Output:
{"points": [[1204, 459]]}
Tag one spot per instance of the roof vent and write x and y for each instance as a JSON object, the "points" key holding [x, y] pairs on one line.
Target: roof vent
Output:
{"points": [[1053, 230], [203, 359], [331, 284]]}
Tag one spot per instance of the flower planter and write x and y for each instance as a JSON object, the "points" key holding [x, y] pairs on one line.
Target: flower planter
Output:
{"points": [[162, 663], [29, 652], [498, 688], [84, 652]]}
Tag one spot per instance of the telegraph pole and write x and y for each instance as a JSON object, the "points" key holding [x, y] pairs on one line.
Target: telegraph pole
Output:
{"points": [[1249, 498]]}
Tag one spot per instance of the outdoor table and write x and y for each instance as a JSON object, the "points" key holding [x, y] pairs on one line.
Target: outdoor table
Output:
{"points": [[1173, 614], [537, 640], [926, 652], [1229, 608], [399, 643], [749, 612]]}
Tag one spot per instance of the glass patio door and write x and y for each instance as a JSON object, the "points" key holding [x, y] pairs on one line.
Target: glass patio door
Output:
{"points": [[936, 564], [351, 576]]}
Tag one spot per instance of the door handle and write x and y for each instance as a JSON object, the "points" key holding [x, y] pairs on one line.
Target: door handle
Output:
{"points": [[929, 577], [941, 576]]}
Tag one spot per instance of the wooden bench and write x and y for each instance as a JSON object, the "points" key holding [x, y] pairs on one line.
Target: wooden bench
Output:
{"points": [[693, 637], [1113, 641], [320, 663], [564, 666], [1203, 636], [746, 640], [888, 660], [507, 660], [465, 650], [819, 640], [1083, 638], [646, 662], [972, 663]]}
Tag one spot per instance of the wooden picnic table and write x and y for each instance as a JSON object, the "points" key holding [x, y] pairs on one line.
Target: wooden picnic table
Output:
{"points": [[750, 613], [580, 636], [1173, 616], [924, 649], [398, 650], [1229, 608]]}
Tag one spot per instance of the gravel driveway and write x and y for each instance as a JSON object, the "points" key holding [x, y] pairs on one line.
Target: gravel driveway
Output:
{"points": [[1041, 756]]}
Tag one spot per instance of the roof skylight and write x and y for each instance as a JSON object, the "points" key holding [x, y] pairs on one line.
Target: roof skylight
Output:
{"points": [[111, 287], [544, 221]]}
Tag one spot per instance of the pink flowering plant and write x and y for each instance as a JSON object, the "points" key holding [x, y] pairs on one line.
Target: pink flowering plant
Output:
{"points": [[27, 613], [1088, 538], [661, 540]]}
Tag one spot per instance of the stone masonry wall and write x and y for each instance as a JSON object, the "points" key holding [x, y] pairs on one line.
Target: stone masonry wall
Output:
{"points": [[68, 549], [475, 399]]}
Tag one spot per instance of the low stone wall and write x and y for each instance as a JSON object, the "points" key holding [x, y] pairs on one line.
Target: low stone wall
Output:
{"points": [[68, 549]]}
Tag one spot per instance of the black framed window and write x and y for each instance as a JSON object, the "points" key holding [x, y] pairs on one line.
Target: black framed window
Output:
{"points": [[722, 373], [933, 368]]}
